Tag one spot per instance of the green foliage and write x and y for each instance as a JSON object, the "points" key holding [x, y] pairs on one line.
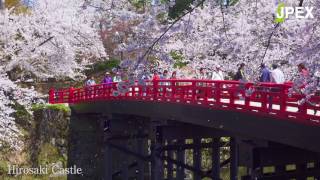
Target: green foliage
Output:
{"points": [[16, 4], [178, 58], [105, 65], [49, 154], [3, 167], [233, 2], [162, 17], [178, 9], [57, 107], [22, 116], [139, 4], [182, 5]]}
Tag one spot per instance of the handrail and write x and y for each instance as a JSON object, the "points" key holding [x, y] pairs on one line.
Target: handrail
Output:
{"points": [[266, 99]]}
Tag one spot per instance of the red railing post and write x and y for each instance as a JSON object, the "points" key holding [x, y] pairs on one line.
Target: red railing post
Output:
{"points": [[194, 91], [231, 96], [60, 96], [283, 100], [264, 98], [217, 92], [94, 87], [173, 89], [155, 89], [165, 86], [71, 95], [133, 90], [246, 98], [51, 96], [302, 109]]}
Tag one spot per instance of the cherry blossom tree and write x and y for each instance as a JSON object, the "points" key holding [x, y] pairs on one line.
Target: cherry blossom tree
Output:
{"points": [[53, 39], [212, 34]]}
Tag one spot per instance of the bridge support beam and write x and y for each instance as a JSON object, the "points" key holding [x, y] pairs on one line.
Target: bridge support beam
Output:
{"points": [[300, 169], [317, 166], [197, 158], [117, 148], [216, 158], [234, 159], [156, 144], [107, 162], [141, 163], [125, 170], [169, 163], [181, 159]]}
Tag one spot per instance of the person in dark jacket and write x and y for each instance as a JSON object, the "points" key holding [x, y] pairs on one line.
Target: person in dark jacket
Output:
{"points": [[265, 73], [240, 75]]}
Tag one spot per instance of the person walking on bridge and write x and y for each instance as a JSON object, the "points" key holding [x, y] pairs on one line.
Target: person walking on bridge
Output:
{"points": [[117, 77], [155, 76], [107, 83], [202, 74], [107, 79], [304, 79], [89, 91], [90, 81], [303, 71], [277, 77], [164, 75], [240, 75], [217, 74], [200, 93], [174, 75], [242, 78], [265, 73]]}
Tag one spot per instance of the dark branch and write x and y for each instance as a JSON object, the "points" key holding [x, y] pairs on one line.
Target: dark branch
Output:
{"points": [[158, 39], [301, 2], [269, 40], [47, 40], [272, 33]]}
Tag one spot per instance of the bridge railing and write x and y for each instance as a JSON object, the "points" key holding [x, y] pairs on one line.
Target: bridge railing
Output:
{"points": [[265, 99]]}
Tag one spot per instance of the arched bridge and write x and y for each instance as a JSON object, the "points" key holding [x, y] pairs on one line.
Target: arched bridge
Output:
{"points": [[265, 127]]}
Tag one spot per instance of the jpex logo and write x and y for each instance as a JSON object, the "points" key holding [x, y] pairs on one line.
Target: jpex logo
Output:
{"points": [[283, 12]]}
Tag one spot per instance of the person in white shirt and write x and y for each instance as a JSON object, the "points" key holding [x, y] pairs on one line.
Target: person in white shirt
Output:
{"points": [[277, 75], [117, 77], [217, 74]]}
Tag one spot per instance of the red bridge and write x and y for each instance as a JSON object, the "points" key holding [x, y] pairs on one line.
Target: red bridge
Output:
{"points": [[265, 126], [263, 99]]}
